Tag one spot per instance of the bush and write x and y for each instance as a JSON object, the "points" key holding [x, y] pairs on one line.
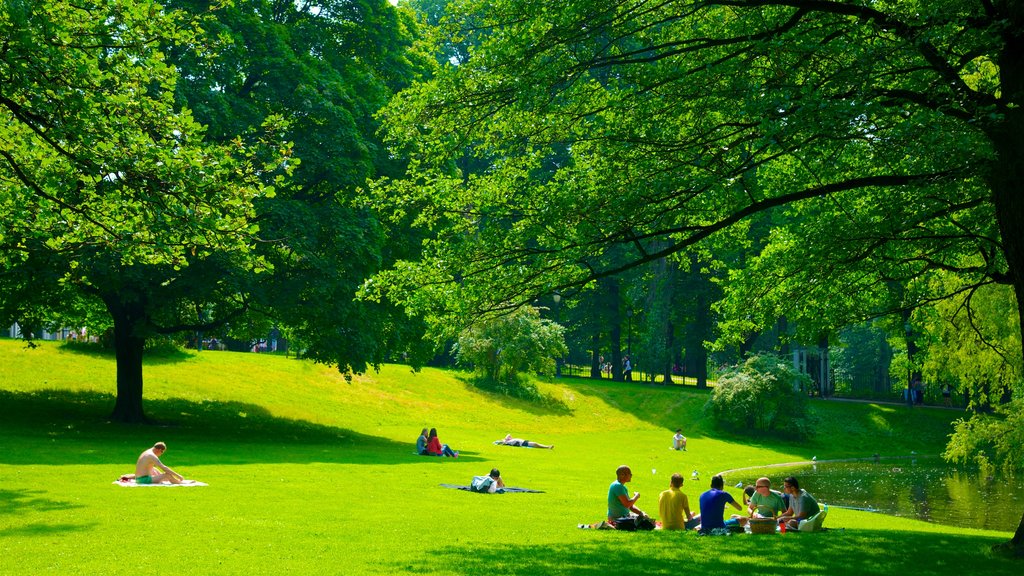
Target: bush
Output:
{"points": [[501, 348], [762, 395]]}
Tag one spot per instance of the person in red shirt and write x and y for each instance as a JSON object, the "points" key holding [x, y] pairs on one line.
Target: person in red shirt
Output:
{"points": [[435, 448]]}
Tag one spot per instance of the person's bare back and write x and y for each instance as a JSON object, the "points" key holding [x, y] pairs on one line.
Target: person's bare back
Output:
{"points": [[150, 470]]}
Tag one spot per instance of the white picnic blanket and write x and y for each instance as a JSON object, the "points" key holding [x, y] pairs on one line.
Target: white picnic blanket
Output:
{"points": [[185, 484]]}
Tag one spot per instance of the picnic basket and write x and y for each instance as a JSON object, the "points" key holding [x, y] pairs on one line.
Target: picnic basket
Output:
{"points": [[762, 525]]}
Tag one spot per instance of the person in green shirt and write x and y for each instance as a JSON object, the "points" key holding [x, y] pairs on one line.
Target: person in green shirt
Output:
{"points": [[766, 503], [620, 505]]}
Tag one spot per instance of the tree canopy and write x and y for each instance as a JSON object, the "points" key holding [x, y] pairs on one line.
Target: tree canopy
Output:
{"points": [[149, 171]]}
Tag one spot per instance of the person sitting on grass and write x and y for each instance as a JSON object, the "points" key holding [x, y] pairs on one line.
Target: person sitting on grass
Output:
{"points": [[801, 504], [679, 441], [421, 443], [620, 505], [748, 491], [508, 440], [765, 503], [674, 507], [435, 448], [712, 507], [150, 470]]}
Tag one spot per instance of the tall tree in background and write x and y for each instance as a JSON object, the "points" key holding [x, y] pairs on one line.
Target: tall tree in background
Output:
{"points": [[114, 198], [905, 117], [327, 67], [109, 196]]}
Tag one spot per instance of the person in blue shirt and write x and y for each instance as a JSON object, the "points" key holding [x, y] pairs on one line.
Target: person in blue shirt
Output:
{"points": [[421, 443], [712, 506]]}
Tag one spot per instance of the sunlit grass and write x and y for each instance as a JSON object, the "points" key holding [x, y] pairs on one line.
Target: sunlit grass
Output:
{"points": [[312, 474]]}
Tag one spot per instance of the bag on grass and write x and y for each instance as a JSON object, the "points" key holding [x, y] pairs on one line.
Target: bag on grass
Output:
{"points": [[644, 523], [627, 523]]}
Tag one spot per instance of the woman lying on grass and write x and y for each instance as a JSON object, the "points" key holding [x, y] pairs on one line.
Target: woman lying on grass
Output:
{"points": [[510, 441]]}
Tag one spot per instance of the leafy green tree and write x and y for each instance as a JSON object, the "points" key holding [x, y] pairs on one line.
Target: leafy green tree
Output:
{"points": [[973, 343], [109, 196], [763, 395], [327, 67], [894, 124], [501, 348], [862, 361]]}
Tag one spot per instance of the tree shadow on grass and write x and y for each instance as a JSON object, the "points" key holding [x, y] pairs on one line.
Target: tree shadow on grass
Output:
{"points": [[54, 427], [516, 396], [16, 502], [44, 530], [836, 553], [159, 354]]}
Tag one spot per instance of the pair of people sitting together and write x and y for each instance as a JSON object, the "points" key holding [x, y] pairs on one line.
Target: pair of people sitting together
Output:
{"points": [[429, 445]]}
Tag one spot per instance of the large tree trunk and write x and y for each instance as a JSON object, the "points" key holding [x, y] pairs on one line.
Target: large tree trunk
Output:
{"points": [[128, 346], [1007, 179], [696, 350]]}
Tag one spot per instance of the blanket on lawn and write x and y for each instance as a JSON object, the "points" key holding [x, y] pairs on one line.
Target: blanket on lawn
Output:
{"points": [[498, 491], [130, 483]]}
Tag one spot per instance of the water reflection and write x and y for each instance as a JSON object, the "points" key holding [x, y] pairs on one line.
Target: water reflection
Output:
{"points": [[923, 488]]}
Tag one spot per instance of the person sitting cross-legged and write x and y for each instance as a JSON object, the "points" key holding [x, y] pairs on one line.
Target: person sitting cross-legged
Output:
{"points": [[674, 507], [620, 505], [712, 507]]}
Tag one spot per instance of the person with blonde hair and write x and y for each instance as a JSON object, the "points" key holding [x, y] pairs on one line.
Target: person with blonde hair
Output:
{"points": [[508, 440], [674, 507], [765, 503]]}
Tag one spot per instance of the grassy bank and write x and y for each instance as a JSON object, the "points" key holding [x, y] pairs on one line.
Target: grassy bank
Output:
{"points": [[311, 474]]}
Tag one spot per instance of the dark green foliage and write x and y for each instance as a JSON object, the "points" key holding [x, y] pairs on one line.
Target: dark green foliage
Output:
{"points": [[761, 395], [861, 364]]}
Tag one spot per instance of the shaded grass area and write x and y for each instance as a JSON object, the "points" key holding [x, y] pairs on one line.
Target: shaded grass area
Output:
{"points": [[849, 552], [78, 419], [311, 474]]}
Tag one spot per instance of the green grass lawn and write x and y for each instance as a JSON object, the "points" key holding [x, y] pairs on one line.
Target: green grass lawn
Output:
{"points": [[310, 474]]}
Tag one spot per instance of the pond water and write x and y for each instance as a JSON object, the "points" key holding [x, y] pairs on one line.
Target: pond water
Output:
{"points": [[923, 488]]}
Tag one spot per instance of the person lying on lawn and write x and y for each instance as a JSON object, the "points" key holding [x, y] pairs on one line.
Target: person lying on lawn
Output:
{"points": [[508, 440]]}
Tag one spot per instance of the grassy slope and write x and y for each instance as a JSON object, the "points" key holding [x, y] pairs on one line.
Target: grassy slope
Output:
{"points": [[310, 473]]}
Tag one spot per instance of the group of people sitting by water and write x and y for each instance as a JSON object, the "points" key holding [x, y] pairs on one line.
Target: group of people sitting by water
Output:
{"points": [[792, 509]]}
